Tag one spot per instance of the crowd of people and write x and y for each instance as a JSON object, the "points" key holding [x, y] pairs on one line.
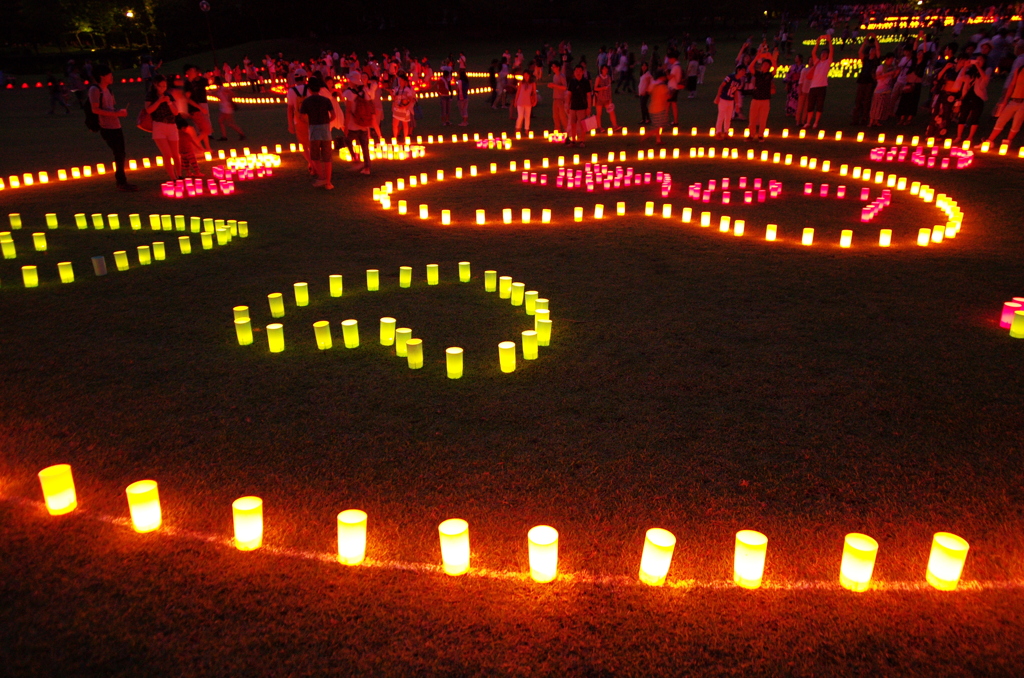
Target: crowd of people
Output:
{"points": [[345, 95]]}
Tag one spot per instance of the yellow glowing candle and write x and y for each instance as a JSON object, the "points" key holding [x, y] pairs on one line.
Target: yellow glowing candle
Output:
{"points": [[507, 356], [322, 331], [490, 281], [599, 211], [414, 353], [464, 271], [39, 241], [543, 331], [530, 301], [402, 337], [739, 226], [751, 549], [372, 280], [30, 276], [859, 553], [351, 537], [51, 220], [276, 300], [946, 562], [530, 345], [687, 215], [454, 534], [185, 244], [301, 294], [424, 212], [336, 286], [9, 250], [243, 331], [58, 489], [145, 255], [724, 224], [938, 233], [885, 237], [144, 505], [543, 543], [405, 276], [121, 260], [526, 215], [808, 237], [387, 331], [656, 559], [1017, 325], [248, 517], [80, 221], [66, 272], [846, 238], [350, 330], [453, 360], [433, 275], [577, 214], [705, 219], [480, 217], [924, 236], [666, 210], [275, 337], [505, 287], [518, 293]]}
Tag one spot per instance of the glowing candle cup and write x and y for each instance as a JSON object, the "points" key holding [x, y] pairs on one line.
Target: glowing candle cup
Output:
{"points": [[387, 331], [656, 559], [402, 337], [507, 356], [543, 549], [414, 353], [350, 330], [748, 565], [351, 537], [454, 534], [58, 489], [322, 332], [858, 564], [946, 562], [144, 505], [275, 337], [248, 518], [453, 362], [243, 331]]}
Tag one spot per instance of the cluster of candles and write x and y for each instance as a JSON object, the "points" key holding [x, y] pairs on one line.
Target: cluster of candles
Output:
{"points": [[495, 144], [871, 210], [394, 151], [856, 568], [255, 161], [698, 191], [241, 174], [407, 346], [922, 157], [596, 175], [211, 231], [1011, 318], [193, 188]]}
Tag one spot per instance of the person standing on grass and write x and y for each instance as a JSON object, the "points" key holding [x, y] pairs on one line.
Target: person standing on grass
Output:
{"points": [[973, 95], [764, 86], [692, 72], [558, 86], [1011, 107], [603, 98], [162, 109], [675, 84], [463, 96], [657, 106], [819, 82], [644, 92], [885, 74], [296, 94], [580, 100], [793, 87], [359, 117], [318, 113], [444, 96], [403, 99], [103, 106], [195, 89], [525, 100], [726, 99], [869, 56], [226, 113]]}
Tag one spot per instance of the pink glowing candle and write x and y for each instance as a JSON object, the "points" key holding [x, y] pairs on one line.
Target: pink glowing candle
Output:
{"points": [[841, 192], [748, 197], [1006, 319], [761, 195], [726, 197], [865, 194], [808, 188], [743, 182], [824, 190], [712, 185], [757, 183], [725, 182]]}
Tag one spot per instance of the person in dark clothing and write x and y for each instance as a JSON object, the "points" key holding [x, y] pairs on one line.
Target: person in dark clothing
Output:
{"points": [[102, 104]]}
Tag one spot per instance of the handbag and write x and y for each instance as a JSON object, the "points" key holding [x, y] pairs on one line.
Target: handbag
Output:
{"points": [[144, 121], [590, 123]]}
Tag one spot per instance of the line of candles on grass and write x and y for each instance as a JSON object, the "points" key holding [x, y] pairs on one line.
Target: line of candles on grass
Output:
{"points": [[856, 569], [407, 346], [211, 231], [926, 193], [43, 177]]}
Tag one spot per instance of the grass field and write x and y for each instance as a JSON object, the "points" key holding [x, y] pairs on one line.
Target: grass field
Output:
{"points": [[696, 381]]}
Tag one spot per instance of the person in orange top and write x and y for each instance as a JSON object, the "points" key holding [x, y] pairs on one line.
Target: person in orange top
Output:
{"points": [[658, 106], [1012, 107]]}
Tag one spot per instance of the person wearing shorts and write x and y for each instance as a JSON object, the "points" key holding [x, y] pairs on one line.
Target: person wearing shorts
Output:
{"points": [[357, 133], [819, 82], [580, 99], [657, 105], [1012, 108], [318, 112], [162, 109]]}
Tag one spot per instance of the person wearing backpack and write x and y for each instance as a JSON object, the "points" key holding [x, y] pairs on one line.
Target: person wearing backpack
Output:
{"points": [[359, 116], [296, 124], [104, 117]]}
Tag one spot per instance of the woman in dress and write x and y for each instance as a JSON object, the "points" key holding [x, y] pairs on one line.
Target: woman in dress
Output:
{"points": [[525, 100], [402, 101], [603, 97]]}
